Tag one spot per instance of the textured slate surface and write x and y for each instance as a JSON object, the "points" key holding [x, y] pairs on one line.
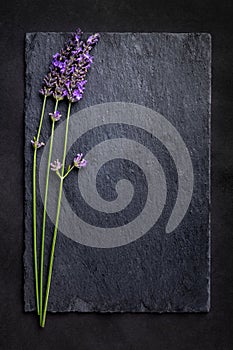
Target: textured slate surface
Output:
{"points": [[160, 271]]}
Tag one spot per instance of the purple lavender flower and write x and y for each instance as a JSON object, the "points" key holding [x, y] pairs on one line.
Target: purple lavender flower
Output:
{"points": [[79, 161], [76, 96], [49, 83], [77, 34], [69, 68], [55, 116], [93, 39], [59, 60], [76, 93], [37, 144], [76, 51], [53, 83], [56, 165], [77, 67], [59, 91]]}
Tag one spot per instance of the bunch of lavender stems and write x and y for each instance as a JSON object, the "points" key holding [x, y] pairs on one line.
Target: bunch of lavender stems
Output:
{"points": [[65, 80]]}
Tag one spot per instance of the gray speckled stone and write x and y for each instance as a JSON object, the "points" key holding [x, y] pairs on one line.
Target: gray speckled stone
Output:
{"points": [[160, 271]]}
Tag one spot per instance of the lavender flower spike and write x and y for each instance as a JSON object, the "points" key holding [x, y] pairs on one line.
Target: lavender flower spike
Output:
{"points": [[55, 116], [69, 69], [66, 77], [79, 161], [77, 68], [56, 165]]}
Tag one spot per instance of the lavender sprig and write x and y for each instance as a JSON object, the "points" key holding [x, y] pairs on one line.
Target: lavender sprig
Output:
{"points": [[54, 86], [66, 79]]}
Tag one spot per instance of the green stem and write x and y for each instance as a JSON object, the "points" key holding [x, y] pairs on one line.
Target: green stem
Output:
{"points": [[34, 207], [57, 219], [45, 214], [68, 172]]}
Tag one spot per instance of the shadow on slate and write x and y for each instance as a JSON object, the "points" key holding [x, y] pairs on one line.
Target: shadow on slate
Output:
{"points": [[159, 272]]}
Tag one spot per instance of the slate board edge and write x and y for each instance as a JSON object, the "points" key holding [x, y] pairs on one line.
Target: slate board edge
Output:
{"points": [[28, 35]]}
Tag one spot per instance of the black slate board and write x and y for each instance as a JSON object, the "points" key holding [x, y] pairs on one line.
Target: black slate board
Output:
{"points": [[160, 76]]}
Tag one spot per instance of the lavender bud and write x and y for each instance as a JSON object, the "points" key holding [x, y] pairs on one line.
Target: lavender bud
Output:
{"points": [[79, 161], [56, 116], [37, 144], [56, 165]]}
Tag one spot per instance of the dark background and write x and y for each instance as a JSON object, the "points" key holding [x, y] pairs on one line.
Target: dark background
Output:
{"points": [[119, 331]]}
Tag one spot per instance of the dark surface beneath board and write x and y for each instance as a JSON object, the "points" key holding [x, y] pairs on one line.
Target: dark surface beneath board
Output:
{"points": [[207, 331]]}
